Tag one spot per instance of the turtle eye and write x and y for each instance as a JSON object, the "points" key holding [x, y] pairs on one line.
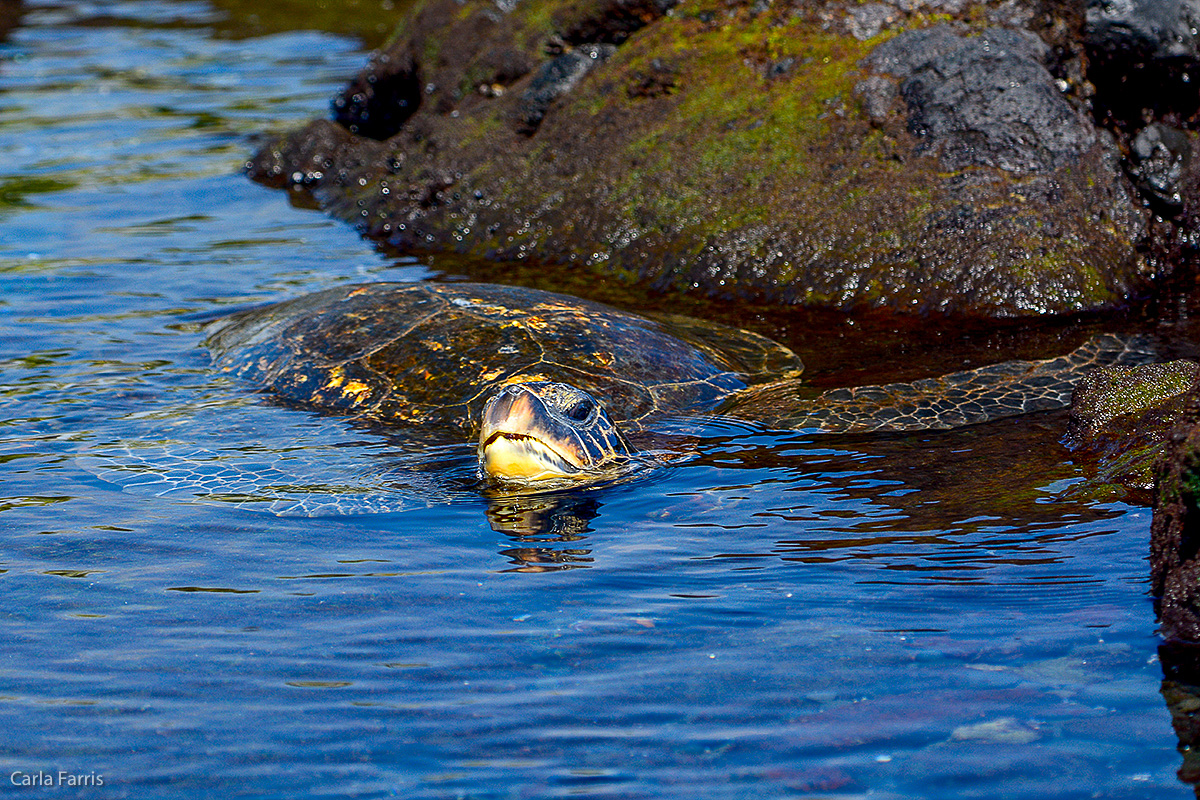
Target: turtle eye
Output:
{"points": [[580, 410]]}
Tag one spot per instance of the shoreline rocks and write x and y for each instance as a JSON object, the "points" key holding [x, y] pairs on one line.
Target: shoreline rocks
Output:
{"points": [[1121, 417], [782, 153]]}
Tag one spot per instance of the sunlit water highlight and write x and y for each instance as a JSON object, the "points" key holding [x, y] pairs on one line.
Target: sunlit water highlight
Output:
{"points": [[925, 616]]}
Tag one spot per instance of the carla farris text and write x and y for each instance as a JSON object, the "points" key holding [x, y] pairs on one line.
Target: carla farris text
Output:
{"points": [[60, 778]]}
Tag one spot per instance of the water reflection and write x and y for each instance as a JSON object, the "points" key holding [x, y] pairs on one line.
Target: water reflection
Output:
{"points": [[1012, 473], [549, 529], [1181, 692], [942, 507]]}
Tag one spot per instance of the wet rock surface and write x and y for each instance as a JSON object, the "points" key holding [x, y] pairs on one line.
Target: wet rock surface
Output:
{"points": [[835, 155], [1144, 56], [381, 98], [1175, 533], [555, 79], [985, 100], [1151, 30], [1158, 157], [1121, 415]]}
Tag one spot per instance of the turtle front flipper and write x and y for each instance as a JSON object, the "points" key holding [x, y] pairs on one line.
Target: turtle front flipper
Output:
{"points": [[963, 398]]}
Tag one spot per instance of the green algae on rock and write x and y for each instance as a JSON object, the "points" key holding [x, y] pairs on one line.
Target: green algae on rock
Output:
{"points": [[790, 154], [1120, 417]]}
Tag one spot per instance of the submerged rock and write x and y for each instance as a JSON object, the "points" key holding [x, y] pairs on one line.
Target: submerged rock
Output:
{"points": [[792, 153], [1181, 692], [1141, 425], [1175, 532]]}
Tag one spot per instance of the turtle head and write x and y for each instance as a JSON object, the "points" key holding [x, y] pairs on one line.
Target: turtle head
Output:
{"points": [[543, 431]]}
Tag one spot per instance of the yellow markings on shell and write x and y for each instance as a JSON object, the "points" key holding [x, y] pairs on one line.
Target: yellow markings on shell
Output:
{"points": [[358, 389], [525, 377], [336, 376], [355, 390], [412, 414]]}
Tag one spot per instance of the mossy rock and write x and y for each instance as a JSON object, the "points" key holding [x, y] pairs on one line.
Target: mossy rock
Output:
{"points": [[787, 153], [1120, 417]]}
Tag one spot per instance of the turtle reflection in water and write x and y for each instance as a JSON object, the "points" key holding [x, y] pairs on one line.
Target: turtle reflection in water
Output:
{"points": [[557, 388]]}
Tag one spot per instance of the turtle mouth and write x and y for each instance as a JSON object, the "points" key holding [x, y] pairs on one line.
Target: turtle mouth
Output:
{"points": [[520, 457]]}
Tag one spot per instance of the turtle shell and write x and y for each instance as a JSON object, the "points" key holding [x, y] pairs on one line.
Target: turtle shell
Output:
{"points": [[431, 354]]}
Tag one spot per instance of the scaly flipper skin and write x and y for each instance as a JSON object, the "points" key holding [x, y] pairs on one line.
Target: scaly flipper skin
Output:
{"points": [[971, 397]]}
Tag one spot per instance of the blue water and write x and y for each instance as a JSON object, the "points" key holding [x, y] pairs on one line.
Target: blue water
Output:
{"points": [[933, 616]]}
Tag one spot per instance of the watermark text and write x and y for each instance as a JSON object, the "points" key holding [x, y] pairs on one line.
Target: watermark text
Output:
{"points": [[61, 777]]}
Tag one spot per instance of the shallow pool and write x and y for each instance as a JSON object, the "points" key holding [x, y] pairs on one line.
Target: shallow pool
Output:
{"points": [[938, 616]]}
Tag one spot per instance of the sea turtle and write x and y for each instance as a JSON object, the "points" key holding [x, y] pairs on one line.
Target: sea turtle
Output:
{"points": [[557, 388]]}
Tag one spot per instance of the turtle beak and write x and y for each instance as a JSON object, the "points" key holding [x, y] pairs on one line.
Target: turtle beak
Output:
{"points": [[515, 445], [522, 441]]}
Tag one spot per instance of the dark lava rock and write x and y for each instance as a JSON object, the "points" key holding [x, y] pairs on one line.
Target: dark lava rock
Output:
{"points": [[1175, 532], [1120, 416], [1158, 157], [1161, 161], [877, 95], [1144, 56], [985, 100], [866, 21], [1188, 218], [613, 21], [741, 151], [556, 78], [321, 151], [1144, 29], [381, 98]]}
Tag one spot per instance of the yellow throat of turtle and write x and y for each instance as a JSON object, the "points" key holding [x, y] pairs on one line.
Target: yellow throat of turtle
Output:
{"points": [[537, 432]]}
